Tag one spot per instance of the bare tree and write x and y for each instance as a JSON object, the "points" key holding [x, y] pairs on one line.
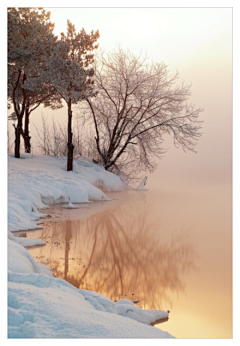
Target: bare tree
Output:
{"points": [[137, 104], [52, 138]]}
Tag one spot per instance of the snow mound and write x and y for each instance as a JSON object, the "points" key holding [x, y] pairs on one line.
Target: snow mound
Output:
{"points": [[124, 307], [40, 306], [96, 175], [34, 182], [27, 242], [127, 308], [20, 260]]}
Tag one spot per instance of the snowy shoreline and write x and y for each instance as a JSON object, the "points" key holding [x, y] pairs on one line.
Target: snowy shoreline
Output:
{"points": [[40, 305]]}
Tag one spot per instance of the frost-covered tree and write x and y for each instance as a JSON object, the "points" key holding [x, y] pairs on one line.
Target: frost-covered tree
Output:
{"points": [[72, 73], [30, 43], [137, 104]]}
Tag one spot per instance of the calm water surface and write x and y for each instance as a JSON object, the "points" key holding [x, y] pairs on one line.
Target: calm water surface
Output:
{"points": [[169, 248]]}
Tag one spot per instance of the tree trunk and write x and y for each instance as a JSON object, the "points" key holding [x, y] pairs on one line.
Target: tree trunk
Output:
{"points": [[70, 144], [26, 132], [18, 129]]}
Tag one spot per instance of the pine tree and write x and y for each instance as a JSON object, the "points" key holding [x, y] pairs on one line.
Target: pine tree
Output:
{"points": [[72, 73], [30, 43]]}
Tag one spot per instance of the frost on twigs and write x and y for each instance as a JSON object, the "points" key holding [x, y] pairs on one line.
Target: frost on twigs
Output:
{"points": [[137, 104]]}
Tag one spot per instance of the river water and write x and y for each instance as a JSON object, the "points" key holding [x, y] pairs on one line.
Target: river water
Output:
{"points": [[168, 248]]}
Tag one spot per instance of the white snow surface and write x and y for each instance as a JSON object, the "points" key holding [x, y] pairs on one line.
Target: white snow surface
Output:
{"points": [[40, 305], [35, 182]]}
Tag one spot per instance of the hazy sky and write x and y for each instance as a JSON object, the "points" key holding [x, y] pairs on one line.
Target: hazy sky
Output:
{"points": [[174, 35], [195, 41]]}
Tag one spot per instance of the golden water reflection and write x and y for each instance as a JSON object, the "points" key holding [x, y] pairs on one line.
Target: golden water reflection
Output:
{"points": [[169, 248], [119, 254]]}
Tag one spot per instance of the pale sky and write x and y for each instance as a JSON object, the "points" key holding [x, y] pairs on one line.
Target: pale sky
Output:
{"points": [[174, 35], [195, 41]]}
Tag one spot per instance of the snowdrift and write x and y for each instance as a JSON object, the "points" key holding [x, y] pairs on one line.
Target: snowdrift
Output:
{"points": [[34, 182], [39, 305]]}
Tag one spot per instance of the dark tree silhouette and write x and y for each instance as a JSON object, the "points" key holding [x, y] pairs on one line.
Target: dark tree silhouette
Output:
{"points": [[30, 42], [72, 73]]}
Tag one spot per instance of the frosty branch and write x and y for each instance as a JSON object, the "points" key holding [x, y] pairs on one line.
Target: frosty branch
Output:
{"points": [[137, 104]]}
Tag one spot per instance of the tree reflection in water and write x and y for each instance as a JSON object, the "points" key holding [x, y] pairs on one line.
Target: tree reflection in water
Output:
{"points": [[121, 254]]}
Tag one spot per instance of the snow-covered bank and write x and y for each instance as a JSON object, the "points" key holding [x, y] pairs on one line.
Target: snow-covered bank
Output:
{"points": [[34, 182], [39, 305], [43, 306]]}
